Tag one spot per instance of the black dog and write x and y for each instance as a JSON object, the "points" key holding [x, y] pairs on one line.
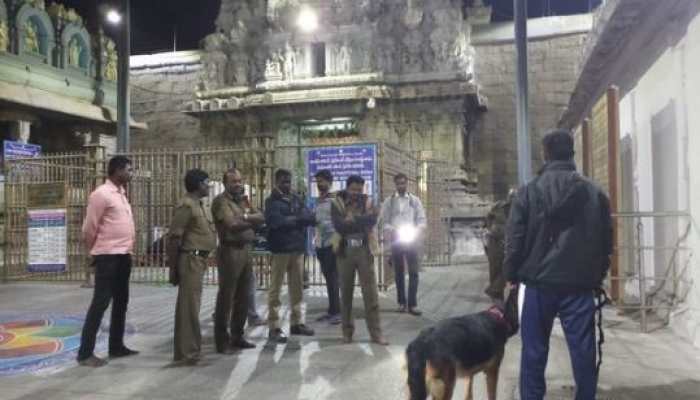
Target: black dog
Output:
{"points": [[461, 347]]}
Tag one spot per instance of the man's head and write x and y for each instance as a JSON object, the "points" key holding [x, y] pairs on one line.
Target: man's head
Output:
{"points": [[355, 185], [233, 183], [401, 182], [558, 145], [283, 181], [197, 182], [324, 180], [119, 170]]}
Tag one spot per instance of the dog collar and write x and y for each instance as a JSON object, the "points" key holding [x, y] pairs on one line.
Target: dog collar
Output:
{"points": [[498, 315]]}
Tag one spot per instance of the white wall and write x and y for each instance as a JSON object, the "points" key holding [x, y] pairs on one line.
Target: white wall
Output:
{"points": [[675, 76]]}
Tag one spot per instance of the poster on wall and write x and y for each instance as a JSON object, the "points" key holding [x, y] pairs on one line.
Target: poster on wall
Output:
{"points": [[14, 150], [342, 161], [47, 240]]}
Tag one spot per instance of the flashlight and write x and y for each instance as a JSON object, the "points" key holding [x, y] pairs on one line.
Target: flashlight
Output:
{"points": [[407, 234]]}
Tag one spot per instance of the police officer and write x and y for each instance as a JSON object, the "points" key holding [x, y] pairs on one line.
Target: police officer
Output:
{"points": [[234, 221], [494, 246], [354, 219], [192, 238]]}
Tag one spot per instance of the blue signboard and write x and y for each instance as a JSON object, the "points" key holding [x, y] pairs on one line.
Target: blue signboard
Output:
{"points": [[342, 161], [13, 150]]}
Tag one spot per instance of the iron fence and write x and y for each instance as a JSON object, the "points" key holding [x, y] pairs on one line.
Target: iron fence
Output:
{"points": [[654, 263]]}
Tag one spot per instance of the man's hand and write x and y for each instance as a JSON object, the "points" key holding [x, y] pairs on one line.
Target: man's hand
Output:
{"points": [[512, 285], [257, 218]]}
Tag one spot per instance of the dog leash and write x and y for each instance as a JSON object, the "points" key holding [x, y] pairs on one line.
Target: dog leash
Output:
{"points": [[602, 299]]}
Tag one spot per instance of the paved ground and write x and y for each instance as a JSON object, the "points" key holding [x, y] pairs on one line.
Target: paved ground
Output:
{"points": [[637, 366]]}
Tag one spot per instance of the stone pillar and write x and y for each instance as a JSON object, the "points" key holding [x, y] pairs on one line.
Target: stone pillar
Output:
{"points": [[20, 131]]}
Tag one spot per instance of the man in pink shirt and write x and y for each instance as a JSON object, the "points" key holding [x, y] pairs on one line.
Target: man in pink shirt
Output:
{"points": [[108, 231]]}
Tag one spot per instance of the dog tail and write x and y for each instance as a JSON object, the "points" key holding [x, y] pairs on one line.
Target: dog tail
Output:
{"points": [[415, 363]]}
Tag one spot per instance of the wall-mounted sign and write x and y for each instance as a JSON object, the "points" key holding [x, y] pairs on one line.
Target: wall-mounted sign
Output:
{"points": [[47, 239], [46, 195]]}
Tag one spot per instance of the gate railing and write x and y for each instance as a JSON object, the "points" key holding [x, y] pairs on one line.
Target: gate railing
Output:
{"points": [[654, 264], [71, 171], [156, 186]]}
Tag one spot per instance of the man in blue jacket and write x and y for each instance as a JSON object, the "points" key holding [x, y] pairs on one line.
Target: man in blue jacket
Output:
{"points": [[558, 243], [287, 218]]}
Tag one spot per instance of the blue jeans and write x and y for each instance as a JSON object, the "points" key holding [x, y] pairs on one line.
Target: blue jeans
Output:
{"points": [[576, 310]]}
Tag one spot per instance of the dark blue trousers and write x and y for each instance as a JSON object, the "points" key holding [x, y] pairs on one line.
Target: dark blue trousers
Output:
{"points": [[576, 311]]}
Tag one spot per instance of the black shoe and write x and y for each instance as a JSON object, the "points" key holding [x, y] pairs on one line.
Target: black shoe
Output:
{"points": [[302, 330], [323, 318], [335, 319], [186, 362], [93, 362], [277, 335], [242, 344], [415, 311], [123, 352], [380, 340], [227, 350]]}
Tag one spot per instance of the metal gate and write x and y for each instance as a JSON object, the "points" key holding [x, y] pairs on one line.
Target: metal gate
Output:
{"points": [[435, 195], [70, 177], [156, 186]]}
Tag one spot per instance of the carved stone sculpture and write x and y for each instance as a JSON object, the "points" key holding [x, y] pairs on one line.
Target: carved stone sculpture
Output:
{"points": [[74, 52], [31, 37], [57, 11], [290, 60], [343, 59], [4, 37], [40, 4], [72, 16], [110, 62], [273, 67]]}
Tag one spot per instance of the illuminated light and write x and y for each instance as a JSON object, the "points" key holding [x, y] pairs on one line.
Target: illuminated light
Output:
{"points": [[114, 17], [308, 20], [407, 234]]}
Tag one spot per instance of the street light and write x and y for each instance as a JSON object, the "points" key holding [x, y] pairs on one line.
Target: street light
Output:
{"points": [[124, 51], [113, 17], [308, 20]]}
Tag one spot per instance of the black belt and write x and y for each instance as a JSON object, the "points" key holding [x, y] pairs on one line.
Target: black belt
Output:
{"points": [[198, 253]]}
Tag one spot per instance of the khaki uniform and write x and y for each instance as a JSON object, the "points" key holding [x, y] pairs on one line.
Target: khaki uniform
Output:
{"points": [[354, 258], [235, 271], [291, 265], [195, 228], [495, 252]]}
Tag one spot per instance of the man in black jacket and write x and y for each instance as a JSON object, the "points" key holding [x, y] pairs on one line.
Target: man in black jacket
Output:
{"points": [[558, 243], [287, 218]]}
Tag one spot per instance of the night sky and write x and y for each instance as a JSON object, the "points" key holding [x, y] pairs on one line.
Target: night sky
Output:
{"points": [[154, 22]]}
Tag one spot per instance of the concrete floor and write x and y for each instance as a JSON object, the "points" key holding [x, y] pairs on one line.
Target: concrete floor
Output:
{"points": [[637, 366]]}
